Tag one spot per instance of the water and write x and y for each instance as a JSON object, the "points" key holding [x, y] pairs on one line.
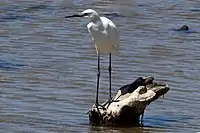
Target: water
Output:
{"points": [[48, 64]]}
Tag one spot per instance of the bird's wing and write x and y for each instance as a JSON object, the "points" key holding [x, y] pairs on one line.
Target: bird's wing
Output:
{"points": [[113, 35], [89, 26], [112, 32]]}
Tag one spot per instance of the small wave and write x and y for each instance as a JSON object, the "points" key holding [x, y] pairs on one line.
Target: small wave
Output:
{"points": [[195, 10], [10, 66], [11, 17]]}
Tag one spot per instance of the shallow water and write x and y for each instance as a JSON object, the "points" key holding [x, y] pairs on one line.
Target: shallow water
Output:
{"points": [[48, 63]]}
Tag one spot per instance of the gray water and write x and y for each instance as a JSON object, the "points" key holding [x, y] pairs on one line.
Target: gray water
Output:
{"points": [[48, 64]]}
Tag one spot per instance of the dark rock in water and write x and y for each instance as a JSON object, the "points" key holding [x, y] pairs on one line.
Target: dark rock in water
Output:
{"points": [[184, 28]]}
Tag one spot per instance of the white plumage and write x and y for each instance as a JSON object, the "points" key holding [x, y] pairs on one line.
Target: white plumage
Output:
{"points": [[105, 37], [104, 33]]}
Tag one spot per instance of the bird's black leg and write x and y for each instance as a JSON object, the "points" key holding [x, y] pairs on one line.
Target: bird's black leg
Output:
{"points": [[98, 76], [110, 93], [110, 97]]}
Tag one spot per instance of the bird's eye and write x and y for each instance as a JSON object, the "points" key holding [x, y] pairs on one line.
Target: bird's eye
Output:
{"points": [[86, 14]]}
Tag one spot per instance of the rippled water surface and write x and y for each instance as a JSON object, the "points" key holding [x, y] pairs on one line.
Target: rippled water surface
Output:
{"points": [[48, 63]]}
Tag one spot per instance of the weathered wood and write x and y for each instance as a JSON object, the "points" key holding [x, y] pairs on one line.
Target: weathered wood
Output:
{"points": [[129, 103]]}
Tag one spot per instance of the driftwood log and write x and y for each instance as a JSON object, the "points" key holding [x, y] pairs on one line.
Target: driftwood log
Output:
{"points": [[129, 103]]}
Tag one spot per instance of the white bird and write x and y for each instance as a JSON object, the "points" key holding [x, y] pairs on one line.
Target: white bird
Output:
{"points": [[105, 37]]}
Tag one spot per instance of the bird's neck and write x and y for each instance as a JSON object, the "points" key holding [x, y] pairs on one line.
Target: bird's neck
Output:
{"points": [[95, 19], [97, 23]]}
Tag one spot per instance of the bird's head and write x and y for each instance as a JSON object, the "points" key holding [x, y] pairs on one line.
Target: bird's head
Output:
{"points": [[89, 13]]}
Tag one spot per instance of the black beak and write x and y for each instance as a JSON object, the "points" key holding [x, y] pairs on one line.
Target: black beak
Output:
{"points": [[75, 16]]}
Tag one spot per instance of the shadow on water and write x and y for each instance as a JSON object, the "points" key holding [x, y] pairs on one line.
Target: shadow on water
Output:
{"points": [[13, 12], [15, 16], [12, 15], [35, 8], [155, 124], [114, 15]]}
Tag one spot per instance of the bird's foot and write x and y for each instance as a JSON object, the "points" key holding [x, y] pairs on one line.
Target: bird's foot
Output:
{"points": [[98, 106], [107, 103]]}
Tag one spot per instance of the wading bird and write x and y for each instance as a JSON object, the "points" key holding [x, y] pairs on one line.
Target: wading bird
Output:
{"points": [[105, 37]]}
